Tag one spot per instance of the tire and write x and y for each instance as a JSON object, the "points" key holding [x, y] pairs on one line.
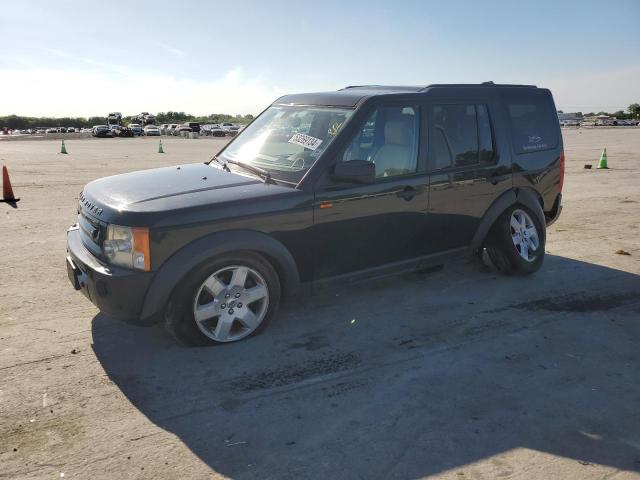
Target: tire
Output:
{"points": [[508, 257], [216, 291]]}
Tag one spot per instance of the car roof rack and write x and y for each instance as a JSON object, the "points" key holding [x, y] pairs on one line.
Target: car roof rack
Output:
{"points": [[483, 84], [409, 88]]}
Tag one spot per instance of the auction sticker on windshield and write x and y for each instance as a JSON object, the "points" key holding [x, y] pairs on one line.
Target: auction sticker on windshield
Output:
{"points": [[306, 141]]}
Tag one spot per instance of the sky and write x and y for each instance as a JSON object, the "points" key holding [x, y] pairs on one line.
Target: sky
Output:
{"points": [[85, 58]]}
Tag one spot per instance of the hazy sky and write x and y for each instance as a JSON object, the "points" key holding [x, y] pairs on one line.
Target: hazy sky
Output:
{"points": [[88, 57]]}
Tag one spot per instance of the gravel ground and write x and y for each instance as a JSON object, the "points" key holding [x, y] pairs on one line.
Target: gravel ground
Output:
{"points": [[459, 373]]}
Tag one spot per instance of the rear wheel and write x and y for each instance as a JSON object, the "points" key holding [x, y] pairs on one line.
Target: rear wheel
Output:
{"points": [[517, 241], [228, 299]]}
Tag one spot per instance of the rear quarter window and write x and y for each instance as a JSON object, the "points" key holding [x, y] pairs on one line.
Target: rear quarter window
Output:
{"points": [[534, 123]]}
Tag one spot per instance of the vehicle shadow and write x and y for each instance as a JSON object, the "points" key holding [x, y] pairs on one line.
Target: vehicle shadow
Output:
{"points": [[405, 377]]}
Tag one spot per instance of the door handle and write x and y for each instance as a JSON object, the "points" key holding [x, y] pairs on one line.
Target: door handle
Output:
{"points": [[408, 193]]}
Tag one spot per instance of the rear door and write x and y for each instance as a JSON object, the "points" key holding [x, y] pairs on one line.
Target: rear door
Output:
{"points": [[468, 168]]}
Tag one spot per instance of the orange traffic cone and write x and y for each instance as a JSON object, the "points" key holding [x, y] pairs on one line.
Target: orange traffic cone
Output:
{"points": [[7, 191]]}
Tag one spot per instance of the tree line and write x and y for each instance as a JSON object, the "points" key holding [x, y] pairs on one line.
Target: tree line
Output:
{"points": [[181, 117], [633, 111], [21, 122]]}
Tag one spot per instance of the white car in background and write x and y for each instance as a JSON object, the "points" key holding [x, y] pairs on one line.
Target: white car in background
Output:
{"points": [[152, 131]]}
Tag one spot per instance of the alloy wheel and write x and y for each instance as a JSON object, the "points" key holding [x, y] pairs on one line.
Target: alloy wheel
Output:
{"points": [[231, 303], [524, 235]]}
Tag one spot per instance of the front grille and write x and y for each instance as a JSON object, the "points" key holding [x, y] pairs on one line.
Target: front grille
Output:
{"points": [[92, 233]]}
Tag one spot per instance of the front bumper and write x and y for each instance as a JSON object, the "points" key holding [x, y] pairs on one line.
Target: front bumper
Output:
{"points": [[118, 292]]}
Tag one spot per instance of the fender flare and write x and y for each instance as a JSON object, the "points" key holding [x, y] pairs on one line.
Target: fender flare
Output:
{"points": [[504, 201], [201, 250]]}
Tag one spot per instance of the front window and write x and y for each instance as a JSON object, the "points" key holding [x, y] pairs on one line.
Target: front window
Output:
{"points": [[287, 140], [388, 139]]}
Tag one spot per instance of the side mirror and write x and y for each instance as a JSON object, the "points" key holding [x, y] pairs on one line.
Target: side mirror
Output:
{"points": [[355, 171]]}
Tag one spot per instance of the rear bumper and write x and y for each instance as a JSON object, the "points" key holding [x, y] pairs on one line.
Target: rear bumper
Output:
{"points": [[118, 292], [555, 212]]}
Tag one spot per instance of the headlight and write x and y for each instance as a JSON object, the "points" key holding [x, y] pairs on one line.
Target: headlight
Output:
{"points": [[127, 247]]}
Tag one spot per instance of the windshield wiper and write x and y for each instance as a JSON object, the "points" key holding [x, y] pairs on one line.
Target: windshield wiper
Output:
{"points": [[221, 162], [261, 172]]}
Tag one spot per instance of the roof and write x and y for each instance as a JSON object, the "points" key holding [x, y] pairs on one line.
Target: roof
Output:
{"points": [[352, 95]]}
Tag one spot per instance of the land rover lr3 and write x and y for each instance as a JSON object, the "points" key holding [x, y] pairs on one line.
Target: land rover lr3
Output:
{"points": [[323, 188]]}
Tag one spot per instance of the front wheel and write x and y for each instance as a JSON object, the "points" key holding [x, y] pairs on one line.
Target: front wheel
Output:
{"points": [[517, 241], [227, 299]]}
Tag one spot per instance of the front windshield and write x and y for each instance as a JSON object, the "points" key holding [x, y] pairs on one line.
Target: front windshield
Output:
{"points": [[287, 140]]}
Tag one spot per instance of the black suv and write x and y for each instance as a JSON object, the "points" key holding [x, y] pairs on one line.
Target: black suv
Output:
{"points": [[195, 126], [323, 188]]}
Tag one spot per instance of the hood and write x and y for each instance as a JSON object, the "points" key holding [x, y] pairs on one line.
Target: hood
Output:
{"points": [[161, 190]]}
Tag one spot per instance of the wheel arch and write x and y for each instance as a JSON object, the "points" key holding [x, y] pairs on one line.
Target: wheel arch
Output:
{"points": [[528, 198], [195, 253]]}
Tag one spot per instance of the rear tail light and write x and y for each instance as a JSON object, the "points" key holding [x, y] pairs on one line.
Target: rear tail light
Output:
{"points": [[561, 170]]}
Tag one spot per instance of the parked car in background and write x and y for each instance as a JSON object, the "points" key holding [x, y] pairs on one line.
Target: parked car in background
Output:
{"points": [[71, 130], [152, 131], [181, 128], [136, 128], [144, 118], [122, 131], [195, 126], [170, 129], [102, 130], [114, 118], [51, 130], [212, 131]]}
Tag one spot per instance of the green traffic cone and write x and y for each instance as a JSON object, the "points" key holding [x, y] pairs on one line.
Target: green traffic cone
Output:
{"points": [[160, 149], [603, 159], [63, 149]]}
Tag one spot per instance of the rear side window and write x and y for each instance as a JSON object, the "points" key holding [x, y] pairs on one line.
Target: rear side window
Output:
{"points": [[533, 121], [485, 135], [460, 135]]}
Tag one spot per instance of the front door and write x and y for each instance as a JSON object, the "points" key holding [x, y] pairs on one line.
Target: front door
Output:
{"points": [[359, 227]]}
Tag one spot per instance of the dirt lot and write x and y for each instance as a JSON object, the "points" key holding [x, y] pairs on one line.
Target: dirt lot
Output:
{"points": [[458, 374]]}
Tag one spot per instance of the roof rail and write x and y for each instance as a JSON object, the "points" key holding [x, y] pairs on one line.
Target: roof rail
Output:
{"points": [[407, 88], [357, 86], [483, 84], [422, 88]]}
